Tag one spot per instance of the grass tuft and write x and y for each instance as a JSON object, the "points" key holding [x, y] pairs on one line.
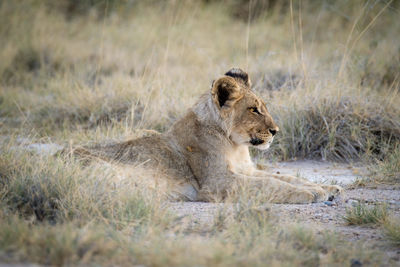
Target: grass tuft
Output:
{"points": [[59, 189], [57, 245], [388, 170], [362, 214], [391, 230], [337, 128]]}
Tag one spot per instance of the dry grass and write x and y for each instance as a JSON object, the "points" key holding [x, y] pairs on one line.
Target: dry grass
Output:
{"points": [[388, 170], [72, 72], [337, 127], [110, 72], [57, 212], [392, 230], [60, 189], [66, 244]]}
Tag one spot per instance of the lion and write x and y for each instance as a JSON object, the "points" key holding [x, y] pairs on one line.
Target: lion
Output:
{"points": [[204, 156]]}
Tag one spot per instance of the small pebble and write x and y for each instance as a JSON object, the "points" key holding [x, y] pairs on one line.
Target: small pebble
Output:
{"points": [[329, 203]]}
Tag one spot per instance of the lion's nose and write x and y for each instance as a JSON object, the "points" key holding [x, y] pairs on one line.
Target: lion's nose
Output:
{"points": [[273, 131]]}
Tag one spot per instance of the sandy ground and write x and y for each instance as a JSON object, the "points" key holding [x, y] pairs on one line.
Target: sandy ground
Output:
{"points": [[323, 216]]}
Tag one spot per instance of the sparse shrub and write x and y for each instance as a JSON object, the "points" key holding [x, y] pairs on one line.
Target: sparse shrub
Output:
{"points": [[29, 189], [388, 170], [362, 214], [53, 190], [341, 129]]}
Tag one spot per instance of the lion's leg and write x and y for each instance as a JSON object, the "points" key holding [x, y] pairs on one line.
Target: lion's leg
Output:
{"points": [[273, 190], [333, 190], [283, 177], [279, 191]]}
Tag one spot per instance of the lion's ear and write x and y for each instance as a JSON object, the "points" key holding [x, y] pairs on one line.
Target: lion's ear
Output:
{"points": [[240, 76], [225, 92]]}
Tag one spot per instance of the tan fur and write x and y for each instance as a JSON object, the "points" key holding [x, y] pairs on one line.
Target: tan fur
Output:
{"points": [[205, 154]]}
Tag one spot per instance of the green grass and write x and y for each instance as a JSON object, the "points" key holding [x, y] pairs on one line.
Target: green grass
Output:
{"points": [[362, 214]]}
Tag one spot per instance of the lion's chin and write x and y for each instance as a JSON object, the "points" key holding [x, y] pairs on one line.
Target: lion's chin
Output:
{"points": [[264, 146]]}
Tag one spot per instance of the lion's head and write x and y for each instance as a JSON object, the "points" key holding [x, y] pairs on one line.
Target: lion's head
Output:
{"points": [[252, 125]]}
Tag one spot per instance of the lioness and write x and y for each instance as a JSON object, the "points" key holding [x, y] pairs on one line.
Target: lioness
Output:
{"points": [[205, 154]]}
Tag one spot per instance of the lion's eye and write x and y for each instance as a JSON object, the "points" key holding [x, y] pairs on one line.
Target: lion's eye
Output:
{"points": [[254, 110]]}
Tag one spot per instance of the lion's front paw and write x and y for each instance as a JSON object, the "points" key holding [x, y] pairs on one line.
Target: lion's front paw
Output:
{"points": [[300, 196], [319, 193], [333, 190]]}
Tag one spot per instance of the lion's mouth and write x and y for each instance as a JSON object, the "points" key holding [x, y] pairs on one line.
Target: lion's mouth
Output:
{"points": [[256, 141], [260, 143]]}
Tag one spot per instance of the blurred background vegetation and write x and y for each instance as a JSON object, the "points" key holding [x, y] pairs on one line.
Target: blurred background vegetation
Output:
{"points": [[97, 69]]}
